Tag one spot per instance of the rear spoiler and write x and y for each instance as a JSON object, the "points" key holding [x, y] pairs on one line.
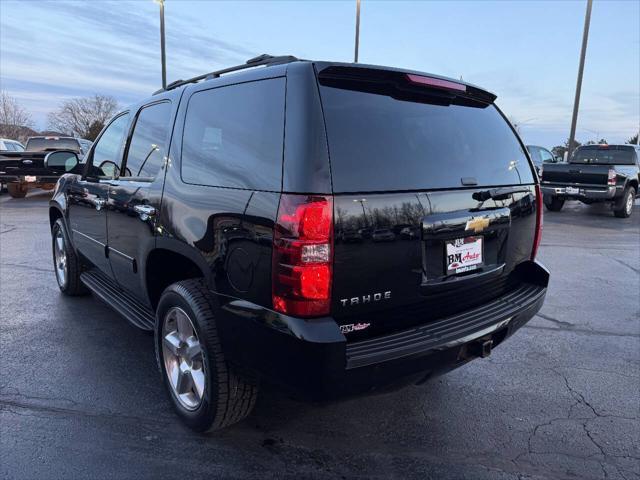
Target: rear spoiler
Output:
{"points": [[399, 83]]}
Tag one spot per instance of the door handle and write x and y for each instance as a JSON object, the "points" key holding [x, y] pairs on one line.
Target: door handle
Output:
{"points": [[99, 203], [145, 211]]}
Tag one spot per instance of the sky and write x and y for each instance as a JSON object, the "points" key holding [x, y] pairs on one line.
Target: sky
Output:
{"points": [[526, 52]]}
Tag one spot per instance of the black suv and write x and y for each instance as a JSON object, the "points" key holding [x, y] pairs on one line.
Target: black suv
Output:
{"points": [[331, 228]]}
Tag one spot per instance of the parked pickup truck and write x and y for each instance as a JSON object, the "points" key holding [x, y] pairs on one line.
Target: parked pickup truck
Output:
{"points": [[211, 214], [595, 173], [24, 170]]}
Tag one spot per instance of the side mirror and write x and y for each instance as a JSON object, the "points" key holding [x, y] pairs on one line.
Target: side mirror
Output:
{"points": [[557, 159], [61, 160], [107, 169]]}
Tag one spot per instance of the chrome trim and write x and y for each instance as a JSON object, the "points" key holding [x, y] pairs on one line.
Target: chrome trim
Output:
{"points": [[144, 211], [90, 238], [111, 249]]}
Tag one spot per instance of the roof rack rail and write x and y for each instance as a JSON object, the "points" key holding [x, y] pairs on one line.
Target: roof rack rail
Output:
{"points": [[263, 59]]}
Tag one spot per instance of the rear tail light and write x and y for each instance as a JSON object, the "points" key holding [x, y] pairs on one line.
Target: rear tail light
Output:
{"points": [[611, 178], [537, 238], [302, 255]]}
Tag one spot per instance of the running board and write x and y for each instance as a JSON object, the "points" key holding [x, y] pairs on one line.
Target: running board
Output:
{"points": [[122, 302]]}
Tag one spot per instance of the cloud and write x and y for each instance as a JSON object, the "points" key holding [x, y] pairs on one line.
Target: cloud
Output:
{"points": [[98, 47]]}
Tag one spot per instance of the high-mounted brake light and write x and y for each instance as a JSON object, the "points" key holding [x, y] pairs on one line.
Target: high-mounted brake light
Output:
{"points": [[436, 82], [537, 237], [302, 255], [611, 178]]}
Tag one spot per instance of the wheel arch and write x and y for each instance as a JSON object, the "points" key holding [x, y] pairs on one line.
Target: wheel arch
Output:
{"points": [[55, 212], [169, 262]]}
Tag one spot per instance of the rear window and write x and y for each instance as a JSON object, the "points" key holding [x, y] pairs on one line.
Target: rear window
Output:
{"points": [[233, 136], [619, 155], [381, 143], [52, 143]]}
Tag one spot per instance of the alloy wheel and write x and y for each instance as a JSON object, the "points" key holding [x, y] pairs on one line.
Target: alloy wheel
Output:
{"points": [[182, 356], [60, 258], [629, 205]]}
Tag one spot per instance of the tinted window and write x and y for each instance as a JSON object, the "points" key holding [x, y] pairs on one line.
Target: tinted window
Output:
{"points": [[149, 141], [233, 136], [107, 153], [379, 143], [39, 144], [620, 155]]}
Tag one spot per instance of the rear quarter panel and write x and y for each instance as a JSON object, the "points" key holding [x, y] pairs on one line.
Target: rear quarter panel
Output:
{"points": [[229, 230]]}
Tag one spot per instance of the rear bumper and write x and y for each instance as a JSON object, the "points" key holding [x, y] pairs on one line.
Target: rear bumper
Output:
{"points": [[314, 360], [589, 192]]}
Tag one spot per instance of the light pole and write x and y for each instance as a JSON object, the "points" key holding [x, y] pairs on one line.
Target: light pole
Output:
{"points": [[576, 102], [364, 214], [162, 52], [357, 31]]}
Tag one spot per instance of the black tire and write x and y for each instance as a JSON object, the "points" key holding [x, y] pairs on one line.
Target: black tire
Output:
{"points": [[228, 397], [16, 190], [71, 284], [624, 208], [554, 204]]}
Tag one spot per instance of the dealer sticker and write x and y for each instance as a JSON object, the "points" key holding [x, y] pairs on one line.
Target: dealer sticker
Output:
{"points": [[463, 255]]}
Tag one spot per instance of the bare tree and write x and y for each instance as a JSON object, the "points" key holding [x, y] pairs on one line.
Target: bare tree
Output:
{"points": [[14, 119], [83, 117]]}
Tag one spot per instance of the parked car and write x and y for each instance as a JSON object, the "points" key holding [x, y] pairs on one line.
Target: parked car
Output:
{"points": [[24, 170], [540, 155], [8, 145], [383, 235], [351, 235], [595, 173], [208, 213], [410, 233]]}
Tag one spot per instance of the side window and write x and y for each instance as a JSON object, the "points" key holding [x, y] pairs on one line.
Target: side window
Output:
{"points": [[107, 153], [149, 141], [545, 155], [233, 136]]}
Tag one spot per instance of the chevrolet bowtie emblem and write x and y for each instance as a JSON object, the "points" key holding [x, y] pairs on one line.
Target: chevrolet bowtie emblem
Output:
{"points": [[477, 224]]}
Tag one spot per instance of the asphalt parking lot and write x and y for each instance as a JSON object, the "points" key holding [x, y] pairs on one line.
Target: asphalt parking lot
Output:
{"points": [[80, 396]]}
